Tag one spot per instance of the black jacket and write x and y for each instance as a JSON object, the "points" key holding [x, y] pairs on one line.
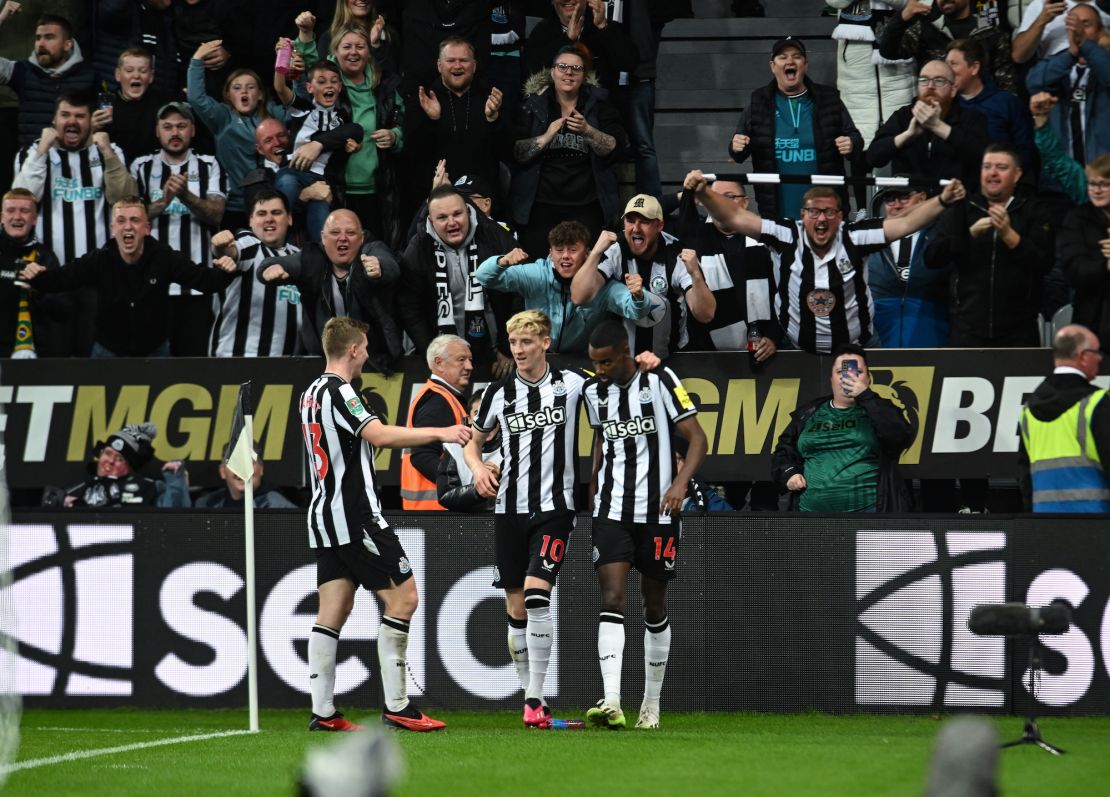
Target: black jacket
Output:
{"points": [[891, 427], [959, 156], [425, 23], [830, 121], [1078, 253], [612, 49], [47, 312], [432, 410], [997, 288], [367, 300], [1052, 398], [132, 313]]}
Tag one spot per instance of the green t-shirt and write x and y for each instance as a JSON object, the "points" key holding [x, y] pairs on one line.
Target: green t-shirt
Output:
{"points": [[841, 454]]}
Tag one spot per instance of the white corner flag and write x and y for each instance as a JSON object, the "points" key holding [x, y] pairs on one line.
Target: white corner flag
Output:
{"points": [[240, 461]]}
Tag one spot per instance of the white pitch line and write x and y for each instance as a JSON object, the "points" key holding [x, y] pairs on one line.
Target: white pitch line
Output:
{"points": [[62, 729], [125, 748]]}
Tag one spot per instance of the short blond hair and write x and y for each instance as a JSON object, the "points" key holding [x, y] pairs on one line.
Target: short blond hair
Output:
{"points": [[136, 52], [131, 201], [20, 193], [340, 333], [534, 322]]}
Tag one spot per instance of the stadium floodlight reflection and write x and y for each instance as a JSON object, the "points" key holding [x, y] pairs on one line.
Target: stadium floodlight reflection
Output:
{"points": [[1019, 620]]}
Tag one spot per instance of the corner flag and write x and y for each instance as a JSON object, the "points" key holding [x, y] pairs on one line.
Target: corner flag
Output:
{"points": [[240, 460]]}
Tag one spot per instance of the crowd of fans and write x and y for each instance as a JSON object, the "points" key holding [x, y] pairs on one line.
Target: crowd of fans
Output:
{"points": [[430, 167]]}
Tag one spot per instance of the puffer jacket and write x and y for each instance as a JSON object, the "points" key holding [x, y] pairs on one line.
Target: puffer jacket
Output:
{"points": [[872, 86], [1078, 251], [39, 88]]}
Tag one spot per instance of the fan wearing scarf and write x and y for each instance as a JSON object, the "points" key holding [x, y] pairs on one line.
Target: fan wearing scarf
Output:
{"points": [[115, 480], [23, 311], [439, 292]]}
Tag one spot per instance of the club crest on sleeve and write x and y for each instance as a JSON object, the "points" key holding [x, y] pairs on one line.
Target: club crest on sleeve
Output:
{"points": [[355, 406], [403, 565]]}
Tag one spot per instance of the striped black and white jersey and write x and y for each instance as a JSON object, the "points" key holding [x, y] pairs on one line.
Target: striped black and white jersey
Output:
{"points": [[175, 225], [635, 421], [823, 303], [539, 438], [668, 279], [74, 216], [253, 319], [344, 485], [739, 272], [306, 119]]}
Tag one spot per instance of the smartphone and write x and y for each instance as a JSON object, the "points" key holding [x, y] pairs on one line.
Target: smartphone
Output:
{"points": [[850, 366], [926, 3], [104, 100]]}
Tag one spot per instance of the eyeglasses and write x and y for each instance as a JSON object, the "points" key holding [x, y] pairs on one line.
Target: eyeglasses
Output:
{"points": [[1098, 185], [816, 213], [573, 69], [935, 82], [1096, 352], [735, 197]]}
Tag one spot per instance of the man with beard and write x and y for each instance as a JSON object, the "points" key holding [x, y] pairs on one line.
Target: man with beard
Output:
{"points": [[439, 293], [271, 142], [459, 119], [185, 195], [935, 136], [923, 31], [794, 126], [131, 276], [343, 276], [823, 300], [1001, 246], [669, 271], [28, 320], [135, 108], [545, 285], [56, 67], [252, 320]]}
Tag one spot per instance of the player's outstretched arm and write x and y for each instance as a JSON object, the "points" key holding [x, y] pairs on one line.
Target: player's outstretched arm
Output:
{"points": [[382, 435], [695, 455], [485, 482]]}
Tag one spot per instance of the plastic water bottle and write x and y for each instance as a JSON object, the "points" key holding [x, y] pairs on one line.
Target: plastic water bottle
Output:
{"points": [[284, 55], [567, 725]]}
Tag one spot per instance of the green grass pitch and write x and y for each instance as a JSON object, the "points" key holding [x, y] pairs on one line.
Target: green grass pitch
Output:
{"points": [[486, 754]]}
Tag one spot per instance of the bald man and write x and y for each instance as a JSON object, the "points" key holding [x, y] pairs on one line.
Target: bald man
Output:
{"points": [[343, 275], [1065, 431], [934, 136]]}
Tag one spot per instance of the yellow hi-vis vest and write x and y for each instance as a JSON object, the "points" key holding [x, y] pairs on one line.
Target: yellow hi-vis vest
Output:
{"points": [[418, 492], [1066, 472]]}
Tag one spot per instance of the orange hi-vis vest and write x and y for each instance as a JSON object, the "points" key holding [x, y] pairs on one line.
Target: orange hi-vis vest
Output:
{"points": [[418, 492]]}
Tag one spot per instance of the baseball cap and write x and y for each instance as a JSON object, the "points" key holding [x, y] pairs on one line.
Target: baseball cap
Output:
{"points": [[644, 204], [176, 107], [473, 185], [789, 41]]}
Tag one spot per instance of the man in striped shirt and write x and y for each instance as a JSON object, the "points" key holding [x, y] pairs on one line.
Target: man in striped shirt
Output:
{"points": [[256, 319], [354, 545], [822, 300], [636, 500], [76, 176], [185, 194]]}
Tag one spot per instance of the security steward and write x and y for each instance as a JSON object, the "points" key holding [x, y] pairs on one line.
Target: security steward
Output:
{"points": [[1065, 431]]}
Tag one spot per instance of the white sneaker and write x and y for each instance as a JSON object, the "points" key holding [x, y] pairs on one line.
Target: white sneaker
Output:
{"points": [[649, 717]]}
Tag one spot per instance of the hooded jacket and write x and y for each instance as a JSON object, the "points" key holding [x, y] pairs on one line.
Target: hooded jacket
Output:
{"points": [[534, 118], [39, 88], [1052, 398]]}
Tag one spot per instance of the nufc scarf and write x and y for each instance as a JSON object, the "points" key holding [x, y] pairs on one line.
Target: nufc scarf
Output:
{"points": [[24, 348], [474, 319]]}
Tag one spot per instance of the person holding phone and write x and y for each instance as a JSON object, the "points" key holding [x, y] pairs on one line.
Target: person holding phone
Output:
{"points": [[840, 452]]}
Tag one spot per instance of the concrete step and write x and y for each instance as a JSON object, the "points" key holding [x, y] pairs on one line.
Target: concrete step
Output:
{"points": [[710, 9], [808, 27]]}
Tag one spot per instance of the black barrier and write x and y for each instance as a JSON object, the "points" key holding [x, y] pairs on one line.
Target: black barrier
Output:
{"points": [[964, 406], [769, 612]]}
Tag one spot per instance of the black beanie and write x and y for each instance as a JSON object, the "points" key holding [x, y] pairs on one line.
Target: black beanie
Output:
{"points": [[133, 443]]}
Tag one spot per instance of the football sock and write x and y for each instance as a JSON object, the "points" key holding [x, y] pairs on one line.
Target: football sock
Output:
{"points": [[537, 603], [393, 643], [518, 649], [657, 647], [322, 643], [610, 654]]}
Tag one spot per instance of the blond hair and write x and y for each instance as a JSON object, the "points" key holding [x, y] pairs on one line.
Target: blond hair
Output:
{"points": [[359, 30], [340, 333], [19, 193], [131, 201], [529, 322]]}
